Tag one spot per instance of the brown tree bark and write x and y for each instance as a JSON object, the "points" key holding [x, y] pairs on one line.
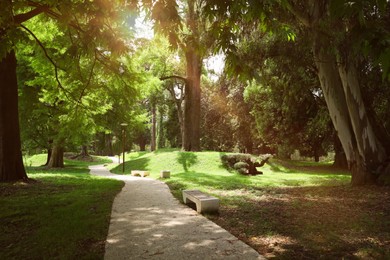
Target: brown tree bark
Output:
{"points": [[108, 149], [340, 160], [11, 161], [191, 135], [178, 98], [154, 122], [48, 156], [84, 151], [57, 157], [49, 150]]}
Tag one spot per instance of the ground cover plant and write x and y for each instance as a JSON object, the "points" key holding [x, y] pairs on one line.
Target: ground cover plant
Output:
{"points": [[295, 210], [62, 214]]}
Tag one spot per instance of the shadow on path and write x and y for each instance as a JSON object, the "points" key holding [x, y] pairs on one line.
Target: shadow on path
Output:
{"points": [[147, 222]]}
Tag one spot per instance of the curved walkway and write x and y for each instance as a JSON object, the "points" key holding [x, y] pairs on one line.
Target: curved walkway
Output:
{"points": [[147, 222]]}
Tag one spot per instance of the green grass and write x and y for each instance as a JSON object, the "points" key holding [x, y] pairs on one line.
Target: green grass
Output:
{"points": [[295, 210], [204, 171], [64, 214]]}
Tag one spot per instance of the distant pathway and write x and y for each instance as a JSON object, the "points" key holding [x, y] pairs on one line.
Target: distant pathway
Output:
{"points": [[147, 222]]}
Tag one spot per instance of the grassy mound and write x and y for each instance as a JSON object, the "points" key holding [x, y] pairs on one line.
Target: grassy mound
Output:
{"points": [[205, 171]]}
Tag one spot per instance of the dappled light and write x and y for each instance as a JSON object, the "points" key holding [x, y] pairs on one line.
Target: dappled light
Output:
{"points": [[276, 112], [148, 221], [310, 221], [187, 159]]}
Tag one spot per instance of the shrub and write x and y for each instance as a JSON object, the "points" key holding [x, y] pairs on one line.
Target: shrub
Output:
{"points": [[240, 165], [244, 163]]}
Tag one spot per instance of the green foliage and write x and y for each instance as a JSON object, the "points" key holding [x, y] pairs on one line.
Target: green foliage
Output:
{"points": [[227, 123], [239, 165], [286, 98]]}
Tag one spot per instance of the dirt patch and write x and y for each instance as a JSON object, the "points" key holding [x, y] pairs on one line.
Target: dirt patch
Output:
{"points": [[312, 222]]}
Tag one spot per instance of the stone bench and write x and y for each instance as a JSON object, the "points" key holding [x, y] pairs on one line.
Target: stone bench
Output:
{"points": [[139, 173], [203, 202]]}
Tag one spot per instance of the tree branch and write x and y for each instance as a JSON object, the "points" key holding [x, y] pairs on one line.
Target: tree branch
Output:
{"points": [[301, 16], [20, 18], [52, 62], [54, 14], [174, 77]]}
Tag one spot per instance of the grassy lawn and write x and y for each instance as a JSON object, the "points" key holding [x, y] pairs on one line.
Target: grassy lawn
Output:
{"points": [[64, 214], [295, 210]]}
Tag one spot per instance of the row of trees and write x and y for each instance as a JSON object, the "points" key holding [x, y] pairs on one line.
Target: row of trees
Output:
{"points": [[292, 80]]}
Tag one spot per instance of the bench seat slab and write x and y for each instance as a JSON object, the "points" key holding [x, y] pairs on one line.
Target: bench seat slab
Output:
{"points": [[203, 202]]}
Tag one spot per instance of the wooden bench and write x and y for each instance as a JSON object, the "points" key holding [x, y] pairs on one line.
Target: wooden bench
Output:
{"points": [[139, 173], [204, 202]]}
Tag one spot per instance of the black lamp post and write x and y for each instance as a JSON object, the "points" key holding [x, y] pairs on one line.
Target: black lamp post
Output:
{"points": [[123, 125]]}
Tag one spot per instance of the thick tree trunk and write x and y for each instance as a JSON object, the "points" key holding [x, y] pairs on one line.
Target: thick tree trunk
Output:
{"points": [[49, 151], [340, 160], [370, 150], [154, 121], [57, 157], [336, 101], [191, 135], [11, 161], [340, 85], [191, 140]]}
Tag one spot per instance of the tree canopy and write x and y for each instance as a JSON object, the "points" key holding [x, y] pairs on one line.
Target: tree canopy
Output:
{"points": [[299, 75]]}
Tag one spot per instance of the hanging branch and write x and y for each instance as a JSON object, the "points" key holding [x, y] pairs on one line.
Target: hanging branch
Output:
{"points": [[174, 77], [51, 61], [89, 77]]}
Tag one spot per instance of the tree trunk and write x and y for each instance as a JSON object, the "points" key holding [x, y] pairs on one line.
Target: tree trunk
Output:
{"points": [[340, 160], [249, 146], [154, 120], [337, 106], [191, 140], [11, 160], [316, 155], [370, 150], [49, 151], [178, 103], [84, 151], [191, 135], [181, 119], [108, 145], [342, 94], [142, 145], [57, 157], [161, 136]]}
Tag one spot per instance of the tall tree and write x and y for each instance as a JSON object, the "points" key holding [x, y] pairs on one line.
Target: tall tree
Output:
{"points": [[188, 30], [340, 31], [90, 21]]}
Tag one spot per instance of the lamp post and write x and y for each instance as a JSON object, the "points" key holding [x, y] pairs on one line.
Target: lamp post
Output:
{"points": [[123, 125]]}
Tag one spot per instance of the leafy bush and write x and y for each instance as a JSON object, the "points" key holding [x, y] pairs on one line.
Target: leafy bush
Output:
{"points": [[229, 160], [240, 165]]}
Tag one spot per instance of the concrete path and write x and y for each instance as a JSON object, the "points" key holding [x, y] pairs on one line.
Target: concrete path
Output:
{"points": [[147, 222]]}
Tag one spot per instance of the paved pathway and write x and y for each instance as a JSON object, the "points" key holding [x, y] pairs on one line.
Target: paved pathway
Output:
{"points": [[147, 222]]}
